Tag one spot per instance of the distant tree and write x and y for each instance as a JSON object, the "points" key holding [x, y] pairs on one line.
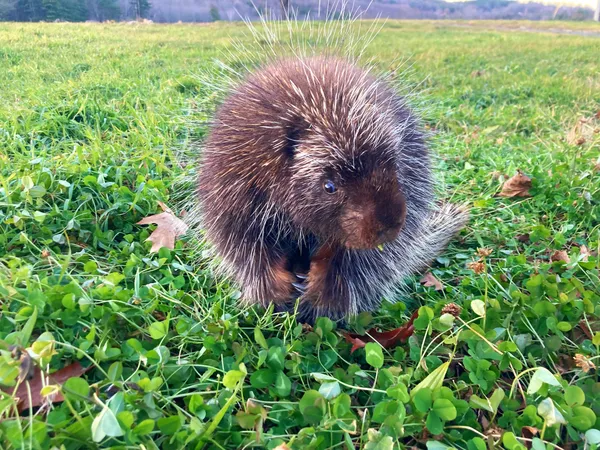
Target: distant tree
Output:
{"points": [[102, 10], [28, 11], [67, 10], [141, 8], [7, 7], [215, 15]]}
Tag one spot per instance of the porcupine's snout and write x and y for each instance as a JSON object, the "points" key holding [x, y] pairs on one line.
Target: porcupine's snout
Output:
{"points": [[375, 218]]}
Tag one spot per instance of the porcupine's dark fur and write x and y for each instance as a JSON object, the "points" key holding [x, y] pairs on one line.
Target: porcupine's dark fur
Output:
{"points": [[280, 141]]}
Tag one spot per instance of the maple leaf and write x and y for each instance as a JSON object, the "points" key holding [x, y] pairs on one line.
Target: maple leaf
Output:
{"points": [[387, 339], [429, 280], [517, 186], [36, 383], [169, 227]]}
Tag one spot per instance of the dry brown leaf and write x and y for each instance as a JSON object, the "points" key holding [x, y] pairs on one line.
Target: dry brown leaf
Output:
{"points": [[38, 381], [585, 253], [583, 325], [429, 280], [560, 255], [583, 362], [522, 237], [387, 339], [517, 186], [169, 227], [529, 433]]}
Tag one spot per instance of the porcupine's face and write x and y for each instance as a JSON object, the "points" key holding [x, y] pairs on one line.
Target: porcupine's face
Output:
{"points": [[359, 204]]}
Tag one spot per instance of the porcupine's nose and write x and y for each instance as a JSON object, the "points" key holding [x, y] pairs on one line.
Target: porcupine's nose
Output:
{"points": [[386, 235]]}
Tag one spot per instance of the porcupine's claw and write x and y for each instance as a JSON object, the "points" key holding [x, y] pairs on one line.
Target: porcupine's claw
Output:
{"points": [[302, 285]]}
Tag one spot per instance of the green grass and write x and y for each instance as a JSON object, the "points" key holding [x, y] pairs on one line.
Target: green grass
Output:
{"points": [[90, 116]]}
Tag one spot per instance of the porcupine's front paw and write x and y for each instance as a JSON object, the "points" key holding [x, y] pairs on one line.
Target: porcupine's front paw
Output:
{"points": [[323, 292], [272, 285]]}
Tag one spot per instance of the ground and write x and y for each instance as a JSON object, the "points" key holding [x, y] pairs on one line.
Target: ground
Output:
{"points": [[153, 351]]}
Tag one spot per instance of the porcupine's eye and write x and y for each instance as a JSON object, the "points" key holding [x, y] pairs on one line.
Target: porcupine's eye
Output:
{"points": [[329, 187]]}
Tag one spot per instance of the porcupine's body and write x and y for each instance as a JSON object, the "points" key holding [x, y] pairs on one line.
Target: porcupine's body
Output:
{"points": [[315, 181]]}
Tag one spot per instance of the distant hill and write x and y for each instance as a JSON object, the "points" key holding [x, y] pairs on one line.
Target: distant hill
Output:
{"points": [[213, 10], [210, 10]]}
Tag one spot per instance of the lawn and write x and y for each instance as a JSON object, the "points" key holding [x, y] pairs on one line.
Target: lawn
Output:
{"points": [[152, 351]]}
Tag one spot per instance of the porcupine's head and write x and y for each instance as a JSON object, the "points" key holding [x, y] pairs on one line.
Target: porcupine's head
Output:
{"points": [[326, 145]]}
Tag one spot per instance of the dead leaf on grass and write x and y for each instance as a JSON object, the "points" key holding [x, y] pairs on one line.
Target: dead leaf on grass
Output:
{"points": [[517, 186], [560, 255], [583, 362], [387, 339], [39, 380], [429, 280], [169, 227], [585, 253]]}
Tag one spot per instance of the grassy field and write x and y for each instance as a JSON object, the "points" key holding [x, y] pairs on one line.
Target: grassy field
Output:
{"points": [[154, 351]]}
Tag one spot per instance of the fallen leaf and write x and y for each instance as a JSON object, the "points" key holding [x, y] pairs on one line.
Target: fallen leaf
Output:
{"points": [[597, 115], [583, 362], [387, 339], [26, 367], [429, 280], [36, 383], [560, 255], [584, 253], [523, 237], [586, 329], [168, 228], [529, 433], [517, 186]]}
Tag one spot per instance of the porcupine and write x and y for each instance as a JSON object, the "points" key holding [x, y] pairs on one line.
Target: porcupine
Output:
{"points": [[315, 185]]}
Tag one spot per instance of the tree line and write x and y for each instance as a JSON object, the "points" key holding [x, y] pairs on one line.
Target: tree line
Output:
{"points": [[73, 10]]}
